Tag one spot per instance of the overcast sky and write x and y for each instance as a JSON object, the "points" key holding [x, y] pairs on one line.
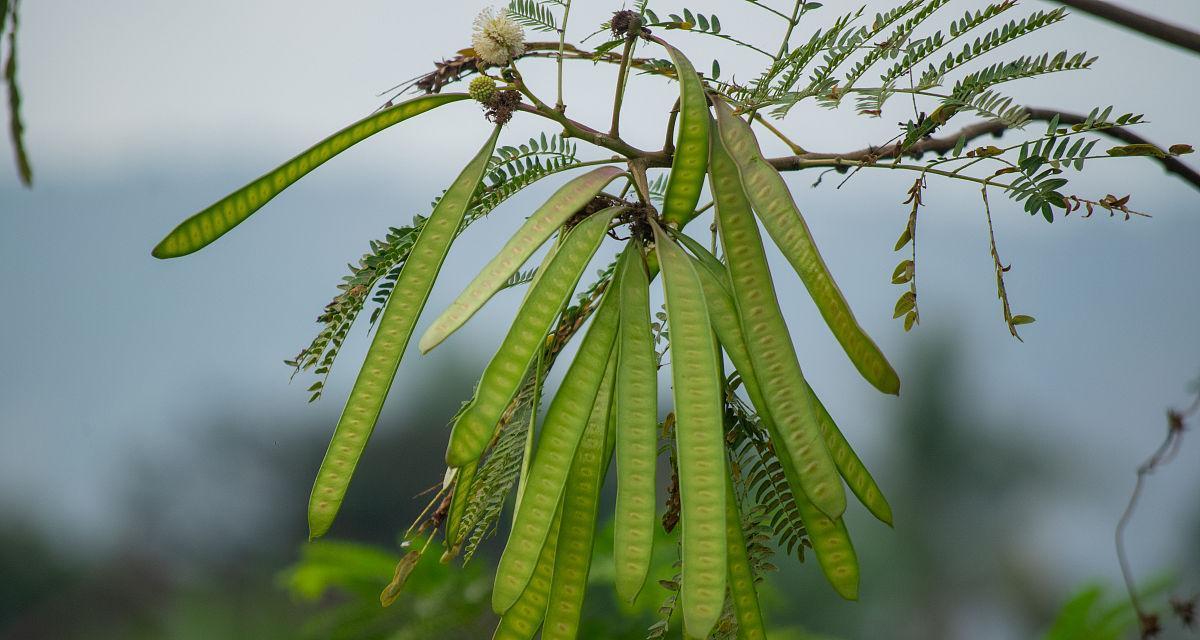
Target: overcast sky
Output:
{"points": [[142, 112]]}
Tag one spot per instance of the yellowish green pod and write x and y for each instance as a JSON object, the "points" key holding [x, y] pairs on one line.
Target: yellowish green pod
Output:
{"points": [[562, 428], [699, 434], [573, 555], [636, 428], [767, 338], [202, 228], [723, 312], [774, 205], [742, 590], [395, 327], [691, 148], [550, 217], [831, 541], [524, 618], [504, 374]]}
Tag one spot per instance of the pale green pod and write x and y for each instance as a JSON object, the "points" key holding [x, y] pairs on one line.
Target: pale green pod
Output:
{"points": [[767, 338], [550, 217], [850, 465], [562, 428], [691, 149], [202, 228], [636, 428], [573, 555], [392, 334], [723, 312], [831, 541], [742, 589], [524, 618], [774, 205], [699, 433], [504, 374]]}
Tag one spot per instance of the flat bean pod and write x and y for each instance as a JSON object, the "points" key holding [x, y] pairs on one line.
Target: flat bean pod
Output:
{"points": [[636, 428], [831, 542], [525, 617], [723, 312], [699, 433], [767, 338], [774, 205], [691, 150], [504, 374], [206, 226], [562, 428], [849, 465], [563, 204], [392, 334], [573, 556], [741, 578]]}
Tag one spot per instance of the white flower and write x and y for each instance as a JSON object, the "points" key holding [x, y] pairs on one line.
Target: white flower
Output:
{"points": [[497, 39]]}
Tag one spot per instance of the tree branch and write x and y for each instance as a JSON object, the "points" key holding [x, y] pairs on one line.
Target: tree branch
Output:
{"points": [[1144, 24], [1171, 164]]}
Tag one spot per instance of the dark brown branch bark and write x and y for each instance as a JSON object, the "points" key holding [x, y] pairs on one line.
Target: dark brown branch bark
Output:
{"points": [[1144, 24], [1171, 164]]}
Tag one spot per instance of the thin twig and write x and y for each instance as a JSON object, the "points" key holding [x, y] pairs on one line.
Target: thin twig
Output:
{"points": [[562, 43], [619, 98], [1163, 455]]}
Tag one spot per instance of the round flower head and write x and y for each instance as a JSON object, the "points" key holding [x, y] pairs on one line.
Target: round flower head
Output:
{"points": [[497, 39], [483, 89]]}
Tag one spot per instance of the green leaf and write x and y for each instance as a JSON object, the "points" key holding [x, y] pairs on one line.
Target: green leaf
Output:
{"points": [[1022, 319]]}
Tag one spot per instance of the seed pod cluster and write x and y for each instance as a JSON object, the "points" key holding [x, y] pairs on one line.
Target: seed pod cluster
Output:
{"points": [[606, 407]]}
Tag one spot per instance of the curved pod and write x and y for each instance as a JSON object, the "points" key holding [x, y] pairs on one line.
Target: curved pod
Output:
{"points": [[506, 371], [636, 428], [203, 228], [395, 328], [700, 438], [691, 148], [742, 590], [524, 618], [551, 216], [723, 312], [562, 428], [768, 340], [774, 205], [573, 557]]}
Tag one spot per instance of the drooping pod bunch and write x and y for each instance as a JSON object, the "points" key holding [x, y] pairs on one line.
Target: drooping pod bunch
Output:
{"points": [[606, 408]]}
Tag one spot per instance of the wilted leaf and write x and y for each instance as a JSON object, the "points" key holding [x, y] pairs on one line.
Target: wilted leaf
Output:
{"points": [[1137, 150], [403, 569]]}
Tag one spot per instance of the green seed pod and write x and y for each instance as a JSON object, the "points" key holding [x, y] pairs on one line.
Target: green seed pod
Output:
{"points": [[395, 328], [201, 229], [562, 430], [700, 438], [772, 201]]}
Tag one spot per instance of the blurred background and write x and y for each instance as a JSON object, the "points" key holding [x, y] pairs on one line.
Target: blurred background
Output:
{"points": [[155, 459]]}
